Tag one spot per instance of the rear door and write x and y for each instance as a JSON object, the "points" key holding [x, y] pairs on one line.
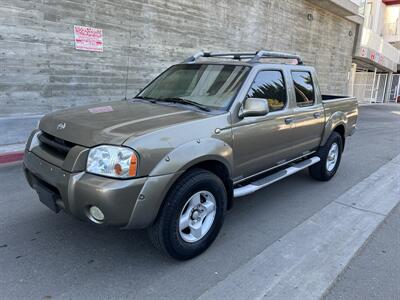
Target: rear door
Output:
{"points": [[308, 112]]}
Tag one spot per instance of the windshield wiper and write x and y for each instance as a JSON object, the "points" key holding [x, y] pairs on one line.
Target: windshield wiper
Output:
{"points": [[146, 98], [185, 101]]}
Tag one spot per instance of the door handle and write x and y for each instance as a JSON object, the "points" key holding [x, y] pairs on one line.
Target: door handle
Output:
{"points": [[317, 115], [289, 121]]}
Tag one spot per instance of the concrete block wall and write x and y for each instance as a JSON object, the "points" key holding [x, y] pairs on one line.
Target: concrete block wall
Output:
{"points": [[40, 70]]}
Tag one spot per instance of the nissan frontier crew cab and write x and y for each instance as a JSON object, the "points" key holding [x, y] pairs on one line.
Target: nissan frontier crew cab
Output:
{"points": [[215, 127]]}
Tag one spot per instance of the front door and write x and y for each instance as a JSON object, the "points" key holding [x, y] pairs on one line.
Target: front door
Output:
{"points": [[262, 142]]}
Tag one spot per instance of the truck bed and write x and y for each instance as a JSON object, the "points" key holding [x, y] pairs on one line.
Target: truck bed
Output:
{"points": [[333, 97], [346, 106]]}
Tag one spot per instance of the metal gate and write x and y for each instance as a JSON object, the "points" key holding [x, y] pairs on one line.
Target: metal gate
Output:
{"points": [[378, 95], [362, 86], [394, 95], [370, 87]]}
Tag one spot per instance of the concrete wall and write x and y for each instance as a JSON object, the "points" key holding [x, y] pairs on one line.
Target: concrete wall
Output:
{"points": [[40, 70]]}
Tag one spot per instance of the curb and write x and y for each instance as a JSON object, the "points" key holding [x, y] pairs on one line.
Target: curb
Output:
{"points": [[10, 157]]}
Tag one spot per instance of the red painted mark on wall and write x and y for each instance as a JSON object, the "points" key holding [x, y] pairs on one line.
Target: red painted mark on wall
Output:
{"points": [[88, 38], [363, 52], [372, 55]]}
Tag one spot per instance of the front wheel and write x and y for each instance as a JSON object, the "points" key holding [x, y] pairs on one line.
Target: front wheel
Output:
{"points": [[191, 216], [330, 154]]}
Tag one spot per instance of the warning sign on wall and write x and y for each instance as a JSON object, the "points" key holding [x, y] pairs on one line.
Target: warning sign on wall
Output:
{"points": [[88, 38]]}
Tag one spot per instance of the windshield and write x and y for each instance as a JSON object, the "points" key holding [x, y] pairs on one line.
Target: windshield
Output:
{"points": [[206, 84]]}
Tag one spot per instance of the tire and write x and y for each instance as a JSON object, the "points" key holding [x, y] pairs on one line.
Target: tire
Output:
{"points": [[192, 195], [323, 170]]}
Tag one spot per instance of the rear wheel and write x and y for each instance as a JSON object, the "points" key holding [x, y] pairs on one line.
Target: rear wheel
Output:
{"points": [[192, 215], [330, 154]]}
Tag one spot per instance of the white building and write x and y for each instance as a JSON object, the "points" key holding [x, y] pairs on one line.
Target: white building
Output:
{"points": [[376, 61]]}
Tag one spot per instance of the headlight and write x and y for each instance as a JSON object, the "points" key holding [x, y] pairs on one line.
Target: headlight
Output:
{"points": [[119, 162], [35, 141]]}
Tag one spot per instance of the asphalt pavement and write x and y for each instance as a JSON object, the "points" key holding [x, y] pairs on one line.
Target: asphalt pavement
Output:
{"points": [[44, 255]]}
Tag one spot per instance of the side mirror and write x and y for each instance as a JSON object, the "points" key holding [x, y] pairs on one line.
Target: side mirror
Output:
{"points": [[254, 107]]}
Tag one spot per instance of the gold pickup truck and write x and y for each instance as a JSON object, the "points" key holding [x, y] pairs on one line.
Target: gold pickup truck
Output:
{"points": [[215, 127]]}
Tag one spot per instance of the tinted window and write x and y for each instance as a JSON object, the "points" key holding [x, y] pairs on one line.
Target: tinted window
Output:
{"points": [[304, 88], [269, 85]]}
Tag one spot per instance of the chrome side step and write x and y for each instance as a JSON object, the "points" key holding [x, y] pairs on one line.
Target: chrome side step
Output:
{"points": [[263, 182]]}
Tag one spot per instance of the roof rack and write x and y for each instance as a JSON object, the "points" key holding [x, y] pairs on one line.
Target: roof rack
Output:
{"points": [[253, 56]]}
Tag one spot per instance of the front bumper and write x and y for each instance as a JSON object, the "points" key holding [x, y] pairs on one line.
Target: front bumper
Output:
{"points": [[75, 193]]}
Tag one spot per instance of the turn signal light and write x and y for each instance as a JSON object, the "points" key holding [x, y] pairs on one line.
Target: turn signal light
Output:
{"points": [[133, 165]]}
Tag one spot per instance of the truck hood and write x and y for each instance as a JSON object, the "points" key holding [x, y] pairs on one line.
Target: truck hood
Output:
{"points": [[113, 122]]}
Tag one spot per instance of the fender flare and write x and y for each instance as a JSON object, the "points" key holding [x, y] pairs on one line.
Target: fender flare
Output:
{"points": [[192, 153], [336, 119]]}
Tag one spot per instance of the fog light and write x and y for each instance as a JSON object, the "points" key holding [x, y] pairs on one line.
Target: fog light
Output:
{"points": [[96, 213]]}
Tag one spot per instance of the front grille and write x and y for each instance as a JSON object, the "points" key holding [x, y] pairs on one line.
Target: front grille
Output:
{"points": [[55, 144]]}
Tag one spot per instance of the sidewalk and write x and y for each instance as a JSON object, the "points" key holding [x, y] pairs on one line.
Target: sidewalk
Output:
{"points": [[374, 273], [15, 131]]}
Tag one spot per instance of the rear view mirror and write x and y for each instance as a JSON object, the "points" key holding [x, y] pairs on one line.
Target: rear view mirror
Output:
{"points": [[254, 107]]}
